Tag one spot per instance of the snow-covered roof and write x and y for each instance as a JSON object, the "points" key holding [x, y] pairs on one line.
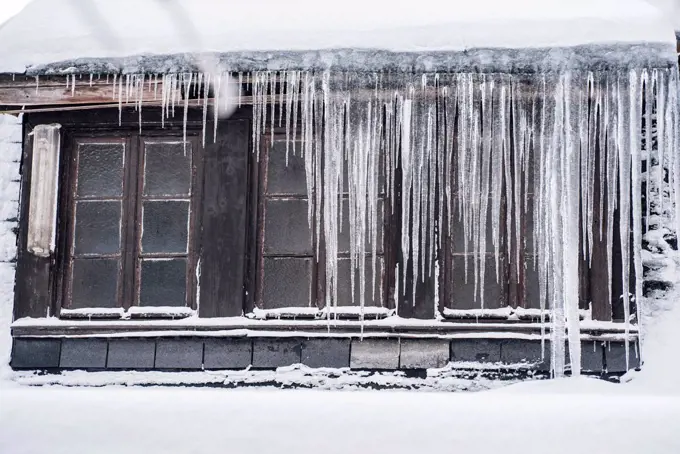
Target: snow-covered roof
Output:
{"points": [[50, 31]]}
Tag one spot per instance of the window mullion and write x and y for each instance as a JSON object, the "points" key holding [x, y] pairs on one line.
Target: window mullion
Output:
{"points": [[131, 220]]}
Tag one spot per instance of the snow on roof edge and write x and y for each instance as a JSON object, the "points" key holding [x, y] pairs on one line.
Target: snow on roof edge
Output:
{"points": [[529, 60]]}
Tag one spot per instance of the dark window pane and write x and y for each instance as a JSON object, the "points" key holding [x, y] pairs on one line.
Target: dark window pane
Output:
{"points": [[165, 227], [286, 228], [287, 282], [528, 221], [100, 170], [95, 283], [282, 179], [343, 236], [97, 228], [532, 289], [458, 234], [372, 295], [167, 169], [163, 282], [463, 293]]}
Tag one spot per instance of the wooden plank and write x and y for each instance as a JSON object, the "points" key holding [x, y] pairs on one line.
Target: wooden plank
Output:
{"points": [[304, 328], [33, 287], [597, 275], [225, 199], [62, 94]]}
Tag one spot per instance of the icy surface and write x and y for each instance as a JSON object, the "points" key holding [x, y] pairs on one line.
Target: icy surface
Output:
{"points": [[48, 31]]}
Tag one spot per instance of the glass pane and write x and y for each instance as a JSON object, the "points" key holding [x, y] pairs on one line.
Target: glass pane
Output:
{"points": [[287, 282], [165, 226], [163, 282], [286, 228], [343, 236], [167, 169], [95, 283], [282, 178], [532, 289], [97, 228], [463, 292], [458, 235], [100, 169], [372, 295]]}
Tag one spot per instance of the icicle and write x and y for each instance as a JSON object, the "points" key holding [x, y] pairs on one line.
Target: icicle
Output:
{"points": [[216, 106], [625, 108], [634, 131], [240, 86], [120, 100], [140, 96], [469, 147], [187, 87], [206, 89]]}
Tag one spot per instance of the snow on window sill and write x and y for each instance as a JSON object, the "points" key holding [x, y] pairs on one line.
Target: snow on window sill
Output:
{"points": [[132, 313], [313, 313], [507, 313]]}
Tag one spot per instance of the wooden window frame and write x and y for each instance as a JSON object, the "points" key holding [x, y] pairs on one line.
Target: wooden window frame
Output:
{"points": [[132, 200], [256, 254]]}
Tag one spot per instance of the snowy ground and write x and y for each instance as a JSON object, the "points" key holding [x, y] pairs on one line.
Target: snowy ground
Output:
{"points": [[570, 416]]}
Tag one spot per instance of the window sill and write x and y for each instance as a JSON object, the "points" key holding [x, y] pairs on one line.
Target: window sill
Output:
{"points": [[394, 327], [133, 313]]}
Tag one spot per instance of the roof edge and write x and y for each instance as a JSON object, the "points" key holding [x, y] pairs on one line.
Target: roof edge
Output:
{"points": [[493, 60]]}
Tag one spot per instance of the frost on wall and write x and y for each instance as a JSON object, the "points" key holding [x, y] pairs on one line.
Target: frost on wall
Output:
{"points": [[10, 156]]}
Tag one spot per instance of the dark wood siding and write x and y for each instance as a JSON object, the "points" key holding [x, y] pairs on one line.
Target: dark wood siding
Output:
{"points": [[224, 229]]}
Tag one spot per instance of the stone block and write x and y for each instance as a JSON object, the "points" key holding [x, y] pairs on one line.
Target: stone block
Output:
{"points": [[270, 353], [518, 351], [182, 353], [424, 353], [615, 356], [131, 354], [35, 353], [476, 350], [325, 352], [227, 353], [374, 354], [83, 353]]}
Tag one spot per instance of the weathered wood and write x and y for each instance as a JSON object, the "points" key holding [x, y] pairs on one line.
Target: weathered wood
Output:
{"points": [[33, 288], [225, 199], [318, 328], [63, 95], [597, 275]]}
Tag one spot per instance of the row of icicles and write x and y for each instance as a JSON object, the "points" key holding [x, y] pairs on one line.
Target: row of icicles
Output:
{"points": [[463, 149]]}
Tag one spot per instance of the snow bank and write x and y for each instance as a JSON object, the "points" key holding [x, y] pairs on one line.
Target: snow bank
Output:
{"points": [[49, 31], [185, 420]]}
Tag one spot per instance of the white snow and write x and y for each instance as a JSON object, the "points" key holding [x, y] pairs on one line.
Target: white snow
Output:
{"points": [[10, 156], [48, 31], [557, 417]]}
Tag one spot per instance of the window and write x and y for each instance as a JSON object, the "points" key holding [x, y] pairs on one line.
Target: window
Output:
{"points": [[133, 210], [290, 262]]}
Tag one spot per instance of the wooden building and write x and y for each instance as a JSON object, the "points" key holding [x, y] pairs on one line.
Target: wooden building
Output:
{"points": [[337, 207]]}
